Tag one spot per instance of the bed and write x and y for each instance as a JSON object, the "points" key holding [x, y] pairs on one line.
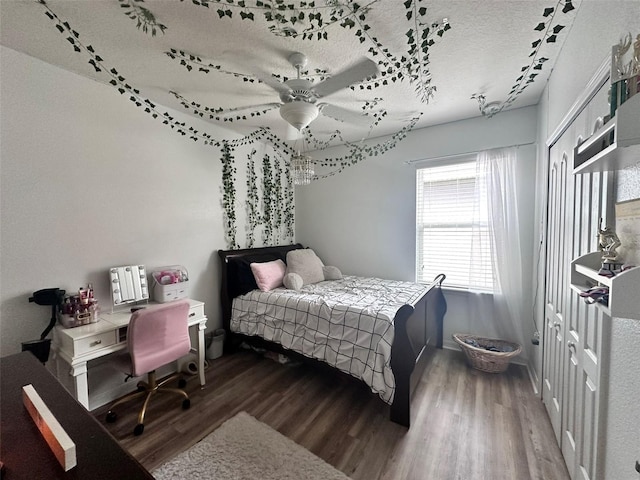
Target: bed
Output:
{"points": [[397, 358]]}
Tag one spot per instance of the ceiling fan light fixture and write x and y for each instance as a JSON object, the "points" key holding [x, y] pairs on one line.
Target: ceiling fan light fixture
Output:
{"points": [[299, 114]]}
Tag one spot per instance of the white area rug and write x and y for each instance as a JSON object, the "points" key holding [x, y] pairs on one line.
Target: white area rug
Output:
{"points": [[244, 448]]}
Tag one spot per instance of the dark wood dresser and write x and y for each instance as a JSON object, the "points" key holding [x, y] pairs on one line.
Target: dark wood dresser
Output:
{"points": [[23, 450]]}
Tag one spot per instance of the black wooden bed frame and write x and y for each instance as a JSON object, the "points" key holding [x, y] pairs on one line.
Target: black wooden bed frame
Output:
{"points": [[413, 326]]}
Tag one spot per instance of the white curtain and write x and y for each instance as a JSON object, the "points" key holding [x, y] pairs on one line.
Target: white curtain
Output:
{"points": [[497, 213]]}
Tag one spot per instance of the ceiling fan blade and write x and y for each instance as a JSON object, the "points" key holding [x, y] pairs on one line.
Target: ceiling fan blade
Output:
{"points": [[272, 82], [357, 72], [344, 115], [260, 107]]}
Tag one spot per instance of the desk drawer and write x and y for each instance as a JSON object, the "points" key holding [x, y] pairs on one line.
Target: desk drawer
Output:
{"points": [[196, 311], [82, 346]]}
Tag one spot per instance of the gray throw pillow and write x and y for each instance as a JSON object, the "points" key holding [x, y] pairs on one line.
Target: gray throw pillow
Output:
{"points": [[292, 281], [305, 263], [331, 273]]}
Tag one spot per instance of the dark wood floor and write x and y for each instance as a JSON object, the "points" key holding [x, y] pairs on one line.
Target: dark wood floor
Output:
{"points": [[465, 424]]}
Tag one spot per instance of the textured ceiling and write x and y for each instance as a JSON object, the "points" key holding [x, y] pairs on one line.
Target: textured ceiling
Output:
{"points": [[209, 54]]}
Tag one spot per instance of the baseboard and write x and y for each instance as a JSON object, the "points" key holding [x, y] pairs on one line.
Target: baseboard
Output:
{"points": [[450, 345], [535, 381]]}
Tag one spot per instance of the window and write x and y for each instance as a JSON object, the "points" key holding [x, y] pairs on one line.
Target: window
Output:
{"points": [[452, 227]]}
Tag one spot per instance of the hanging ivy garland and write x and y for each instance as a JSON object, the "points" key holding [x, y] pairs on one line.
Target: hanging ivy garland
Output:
{"points": [[120, 83], [414, 64], [377, 115], [289, 213], [222, 114], [134, 95], [191, 62], [145, 20], [229, 196], [357, 152], [278, 199], [267, 201], [264, 135], [284, 17], [252, 202], [313, 22], [530, 71], [349, 15], [195, 63]]}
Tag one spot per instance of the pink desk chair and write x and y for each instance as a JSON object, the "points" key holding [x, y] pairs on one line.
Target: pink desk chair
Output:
{"points": [[157, 335]]}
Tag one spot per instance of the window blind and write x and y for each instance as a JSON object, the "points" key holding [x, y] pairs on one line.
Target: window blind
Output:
{"points": [[452, 228]]}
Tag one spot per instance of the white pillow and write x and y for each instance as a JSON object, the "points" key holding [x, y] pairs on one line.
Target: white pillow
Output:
{"points": [[305, 263]]}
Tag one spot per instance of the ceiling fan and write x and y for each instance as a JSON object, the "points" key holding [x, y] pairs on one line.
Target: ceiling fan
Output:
{"points": [[301, 99]]}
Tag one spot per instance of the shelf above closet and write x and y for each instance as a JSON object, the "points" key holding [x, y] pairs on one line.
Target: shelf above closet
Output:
{"points": [[599, 154], [624, 288]]}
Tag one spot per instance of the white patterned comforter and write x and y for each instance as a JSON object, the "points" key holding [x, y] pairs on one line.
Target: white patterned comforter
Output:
{"points": [[346, 323]]}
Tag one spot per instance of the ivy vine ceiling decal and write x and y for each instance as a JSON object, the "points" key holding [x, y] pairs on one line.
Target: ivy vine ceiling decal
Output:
{"points": [[223, 61]]}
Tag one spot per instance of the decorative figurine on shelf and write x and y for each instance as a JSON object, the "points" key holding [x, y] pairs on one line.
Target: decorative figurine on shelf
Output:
{"points": [[624, 83], [621, 67], [634, 80], [608, 242]]}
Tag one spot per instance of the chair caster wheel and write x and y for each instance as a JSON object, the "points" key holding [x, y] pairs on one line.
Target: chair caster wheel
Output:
{"points": [[138, 430], [186, 403], [182, 383], [111, 416]]}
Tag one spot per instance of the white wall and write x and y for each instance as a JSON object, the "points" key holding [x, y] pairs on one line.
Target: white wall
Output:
{"points": [[598, 26], [363, 220], [89, 181]]}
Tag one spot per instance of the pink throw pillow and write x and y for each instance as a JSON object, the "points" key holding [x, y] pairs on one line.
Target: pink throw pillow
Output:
{"points": [[268, 275]]}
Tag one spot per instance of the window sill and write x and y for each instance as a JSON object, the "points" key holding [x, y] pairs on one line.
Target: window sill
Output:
{"points": [[465, 291]]}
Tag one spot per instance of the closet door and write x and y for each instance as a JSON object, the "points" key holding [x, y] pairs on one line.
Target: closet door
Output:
{"points": [[558, 231], [573, 415], [586, 326], [574, 331]]}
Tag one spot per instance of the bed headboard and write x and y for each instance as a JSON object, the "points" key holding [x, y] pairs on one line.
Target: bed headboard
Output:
{"points": [[237, 277]]}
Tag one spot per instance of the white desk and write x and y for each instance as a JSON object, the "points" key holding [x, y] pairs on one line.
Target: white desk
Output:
{"points": [[76, 346]]}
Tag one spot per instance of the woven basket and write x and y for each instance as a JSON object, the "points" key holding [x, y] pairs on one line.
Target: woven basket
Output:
{"points": [[487, 360]]}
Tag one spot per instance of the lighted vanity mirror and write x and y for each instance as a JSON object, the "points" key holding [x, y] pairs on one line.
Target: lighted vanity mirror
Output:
{"points": [[128, 285]]}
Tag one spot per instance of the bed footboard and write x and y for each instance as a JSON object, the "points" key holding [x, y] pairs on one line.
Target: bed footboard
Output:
{"points": [[413, 330]]}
